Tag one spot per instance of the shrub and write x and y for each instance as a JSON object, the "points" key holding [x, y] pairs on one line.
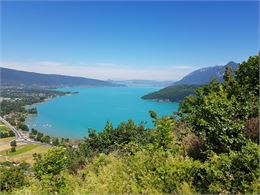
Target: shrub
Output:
{"points": [[235, 172], [12, 177], [48, 168], [252, 129]]}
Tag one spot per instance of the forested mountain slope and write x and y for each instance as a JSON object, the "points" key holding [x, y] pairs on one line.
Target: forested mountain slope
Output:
{"points": [[11, 77], [188, 84]]}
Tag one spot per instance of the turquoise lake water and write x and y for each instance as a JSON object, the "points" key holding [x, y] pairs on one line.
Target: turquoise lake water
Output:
{"points": [[70, 116]]}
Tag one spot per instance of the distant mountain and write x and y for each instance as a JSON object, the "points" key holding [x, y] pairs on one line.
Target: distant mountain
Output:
{"points": [[205, 75], [142, 83], [17, 78], [188, 84]]}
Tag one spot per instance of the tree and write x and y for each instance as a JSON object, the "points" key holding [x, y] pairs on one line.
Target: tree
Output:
{"points": [[23, 127], [46, 139], [48, 168], [12, 177], [13, 143], [39, 136], [236, 172], [34, 131], [55, 141], [32, 111], [218, 112], [13, 149], [112, 139], [162, 135], [247, 75]]}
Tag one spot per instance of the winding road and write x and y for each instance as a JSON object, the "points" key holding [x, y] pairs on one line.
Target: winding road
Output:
{"points": [[19, 136]]}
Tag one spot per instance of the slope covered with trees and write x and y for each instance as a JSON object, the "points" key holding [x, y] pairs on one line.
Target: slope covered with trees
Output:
{"points": [[175, 93], [205, 75], [187, 85], [212, 147], [17, 78]]}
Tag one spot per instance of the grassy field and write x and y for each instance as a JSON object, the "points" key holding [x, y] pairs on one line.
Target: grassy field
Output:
{"points": [[23, 149], [6, 139], [23, 153], [3, 127], [5, 131]]}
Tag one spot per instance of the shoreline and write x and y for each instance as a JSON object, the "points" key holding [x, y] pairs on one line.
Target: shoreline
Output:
{"points": [[34, 122], [29, 116]]}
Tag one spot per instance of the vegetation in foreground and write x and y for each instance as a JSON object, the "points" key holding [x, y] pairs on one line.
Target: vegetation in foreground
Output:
{"points": [[212, 148]]}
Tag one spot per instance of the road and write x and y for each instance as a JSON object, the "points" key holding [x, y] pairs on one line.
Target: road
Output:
{"points": [[19, 136]]}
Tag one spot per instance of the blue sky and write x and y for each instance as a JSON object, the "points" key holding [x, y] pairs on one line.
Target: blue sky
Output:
{"points": [[134, 40]]}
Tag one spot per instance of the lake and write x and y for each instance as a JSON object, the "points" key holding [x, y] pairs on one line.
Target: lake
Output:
{"points": [[71, 116]]}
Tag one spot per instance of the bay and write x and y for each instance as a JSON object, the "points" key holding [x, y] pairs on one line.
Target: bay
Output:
{"points": [[71, 116]]}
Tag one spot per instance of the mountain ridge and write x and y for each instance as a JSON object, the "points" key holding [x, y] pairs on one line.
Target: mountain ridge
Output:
{"points": [[205, 75], [189, 83], [20, 78]]}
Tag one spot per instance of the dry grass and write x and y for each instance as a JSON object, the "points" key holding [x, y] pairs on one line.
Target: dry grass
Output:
{"points": [[23, 153], [6, 139], [6, 146]]}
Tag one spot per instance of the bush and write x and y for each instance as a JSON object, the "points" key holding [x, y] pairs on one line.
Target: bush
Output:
{"points": [[213, 119], [252, 129], [13, 143], [235, 172], [147, 171], [12, 177], [13, 149], [23, 127], [47, 169]]}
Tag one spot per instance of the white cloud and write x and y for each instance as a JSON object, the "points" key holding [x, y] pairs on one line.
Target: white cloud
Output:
{"points": [[104, 70]]}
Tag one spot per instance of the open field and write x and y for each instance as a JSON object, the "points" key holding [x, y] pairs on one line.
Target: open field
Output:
{"points": [[3, 127], [23, 149], [5, 131], [24, 152], [6, 146], [6, 139]]}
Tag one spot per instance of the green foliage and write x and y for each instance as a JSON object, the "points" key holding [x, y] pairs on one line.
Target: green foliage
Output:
{"points": [[48, 168], [23, 127], [55, 141], [22, 97], [212, 148], [13, 149], [111, 139], [5, 131], [174, 93], [13, 143], [153, 114], [12, 176], [32, 111], [39, 136], [247, 75], [218, 112], [235, 172], [46, 139], [162, 135], [214, 121], [8, 133], [147, 171]]}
